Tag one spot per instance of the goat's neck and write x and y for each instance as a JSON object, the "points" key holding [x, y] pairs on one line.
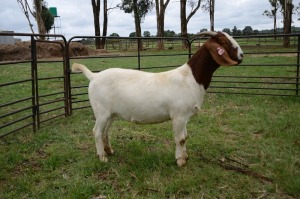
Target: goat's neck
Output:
{"points": [[203, 66]]}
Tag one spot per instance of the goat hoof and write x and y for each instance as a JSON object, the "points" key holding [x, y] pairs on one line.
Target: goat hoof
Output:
{"points": [[181, 162], [108, 151], [103, 158]]}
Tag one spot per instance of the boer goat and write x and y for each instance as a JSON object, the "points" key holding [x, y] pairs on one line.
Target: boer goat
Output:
{"points": [[143, 97]]}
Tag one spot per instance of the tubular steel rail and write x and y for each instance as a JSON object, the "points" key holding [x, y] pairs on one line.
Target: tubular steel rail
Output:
{"points": [[23, 108], [45, 95]]}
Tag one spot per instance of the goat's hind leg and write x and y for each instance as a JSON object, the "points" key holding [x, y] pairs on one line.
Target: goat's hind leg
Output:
{"points": [[107, 146], [99, 128]]}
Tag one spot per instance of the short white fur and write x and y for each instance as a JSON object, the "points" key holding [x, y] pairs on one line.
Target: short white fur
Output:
{"points": [[235, 45]]}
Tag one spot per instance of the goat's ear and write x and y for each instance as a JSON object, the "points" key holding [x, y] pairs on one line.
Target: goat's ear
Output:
{"points": [[219, 54]]}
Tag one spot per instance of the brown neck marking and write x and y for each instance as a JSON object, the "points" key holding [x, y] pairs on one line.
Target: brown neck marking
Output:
{"points": [[203, 66]]}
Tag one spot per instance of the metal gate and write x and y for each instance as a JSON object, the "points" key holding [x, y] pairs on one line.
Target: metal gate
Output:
{"points": [[26, 99]]}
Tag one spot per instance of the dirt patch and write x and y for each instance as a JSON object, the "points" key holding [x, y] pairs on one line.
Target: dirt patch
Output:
{"points": [[22, 51]]}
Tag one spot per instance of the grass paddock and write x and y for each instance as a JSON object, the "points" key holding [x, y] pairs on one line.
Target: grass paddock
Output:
{"points": [[260, 134]]}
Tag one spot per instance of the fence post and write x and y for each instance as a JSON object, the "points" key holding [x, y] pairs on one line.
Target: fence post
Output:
{"points": [[34, 83], [297, 73], [68, 77], [190, 48], [66, 64], [139, 53]]}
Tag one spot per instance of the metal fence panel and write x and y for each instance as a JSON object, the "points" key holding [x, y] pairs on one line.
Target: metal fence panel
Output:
{"points": [[34, 91], [23, 102]]}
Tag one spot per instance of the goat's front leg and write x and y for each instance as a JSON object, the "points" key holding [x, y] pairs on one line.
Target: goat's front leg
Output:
{"points": [[180, 134]]}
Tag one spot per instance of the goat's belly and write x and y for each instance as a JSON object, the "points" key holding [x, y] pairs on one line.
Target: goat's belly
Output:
{"points": [[149, 120], [143, 115]]}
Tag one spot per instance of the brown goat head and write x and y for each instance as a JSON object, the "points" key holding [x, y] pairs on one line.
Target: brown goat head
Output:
{"points": [[223, 48]]}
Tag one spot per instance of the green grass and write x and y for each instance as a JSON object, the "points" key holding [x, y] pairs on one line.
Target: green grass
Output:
{"points": [[59, 161]]}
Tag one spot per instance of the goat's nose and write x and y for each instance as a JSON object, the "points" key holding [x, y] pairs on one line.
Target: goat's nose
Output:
{"points": [[241, 55]]}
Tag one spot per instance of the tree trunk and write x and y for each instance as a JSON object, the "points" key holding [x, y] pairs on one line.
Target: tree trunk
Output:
{"points": [[275, 18], [275, 27], [96, 13], [38, 17], [137, 21], [287, 22], [183, 22], [212, 14], [160, 44], [160, 7], [104, 32]]}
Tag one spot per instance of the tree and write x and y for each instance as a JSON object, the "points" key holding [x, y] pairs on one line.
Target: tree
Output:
{"points": [[48, 18], [105, 22], [273, 13], [203, 30], [248, 30], [38, 17], [239, 32], [236, 32], [169, 33], [41, 13], [139, 8], [287, 9], [210, 7], [147, 34], [96, 14], [132, 34], [185, 20], [227, 30], [24, 6], [114, 35], [160, 7]]}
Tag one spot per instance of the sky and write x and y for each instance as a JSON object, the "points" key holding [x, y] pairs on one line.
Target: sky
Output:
{"points": [[76, 17]]}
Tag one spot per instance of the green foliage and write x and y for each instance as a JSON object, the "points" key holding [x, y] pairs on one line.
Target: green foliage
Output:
{"points": [[247, 30], [147, 34], [114, 35], [48, 18], [235, 31], [227, 30], [275, 7], [169, 33], [142, 6], [132, 34]]}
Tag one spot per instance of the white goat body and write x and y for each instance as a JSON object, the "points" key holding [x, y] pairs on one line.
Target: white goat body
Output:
{"points": [[143, 97]]}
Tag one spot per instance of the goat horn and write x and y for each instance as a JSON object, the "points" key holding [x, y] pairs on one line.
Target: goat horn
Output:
{"points": [[207, 33]]}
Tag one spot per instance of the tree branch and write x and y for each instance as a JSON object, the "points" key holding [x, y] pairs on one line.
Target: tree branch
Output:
{"points": [[24, 8], [227, 164], [193, 11]]}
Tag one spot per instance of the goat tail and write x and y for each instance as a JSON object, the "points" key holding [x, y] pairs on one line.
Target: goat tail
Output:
{"points": [[82, 68]]}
